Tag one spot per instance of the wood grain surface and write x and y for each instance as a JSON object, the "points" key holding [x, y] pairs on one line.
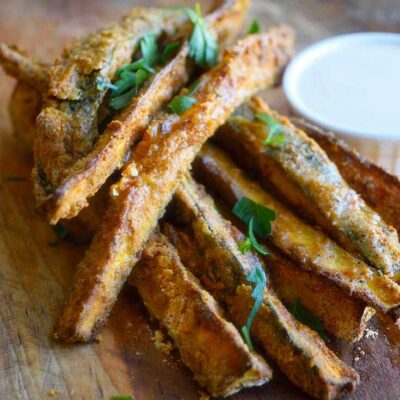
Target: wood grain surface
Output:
{"points": [[36, 269]]}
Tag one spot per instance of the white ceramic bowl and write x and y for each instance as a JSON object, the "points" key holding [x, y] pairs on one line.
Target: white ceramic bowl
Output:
{"points": [[349, 84]]}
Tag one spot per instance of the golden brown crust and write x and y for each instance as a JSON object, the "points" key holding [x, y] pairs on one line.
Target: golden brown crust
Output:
{"points": [[67, 124], [342, 315], [212, 254], [300, 171], [208, 344], [306, 245], [88, 171], [379, 189], [167, 150]]}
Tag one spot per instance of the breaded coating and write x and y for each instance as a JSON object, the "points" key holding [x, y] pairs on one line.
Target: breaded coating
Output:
{"points": [[151, 177], [219, 359], [305, 245], [301, 172], [68, 124], [213, 256], [342, 315], [208, 344], [73, 172], [376, 186]]}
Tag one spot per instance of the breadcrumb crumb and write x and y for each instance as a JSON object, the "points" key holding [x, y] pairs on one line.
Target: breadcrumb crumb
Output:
{"points": [[161, 343]]}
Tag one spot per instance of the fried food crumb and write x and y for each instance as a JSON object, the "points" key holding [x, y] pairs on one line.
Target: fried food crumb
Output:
{"points": [[131, 171], [53, 393], [161, 343], [114, 191]]}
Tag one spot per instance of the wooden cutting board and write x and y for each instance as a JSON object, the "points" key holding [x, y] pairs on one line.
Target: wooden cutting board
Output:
{"points": [[35, 272]]}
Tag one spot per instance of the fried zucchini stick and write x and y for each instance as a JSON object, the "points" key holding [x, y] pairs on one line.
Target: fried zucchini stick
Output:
{"points": [[24, 68], [151, 177], [377, 187], [306, 245], [213, 256], [67, 124], [66, 175], [208, 344], [300, 171], [342, 315]]}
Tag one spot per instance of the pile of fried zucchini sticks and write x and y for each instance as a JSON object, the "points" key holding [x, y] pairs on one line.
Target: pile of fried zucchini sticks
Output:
{"points": [[292, 237]]}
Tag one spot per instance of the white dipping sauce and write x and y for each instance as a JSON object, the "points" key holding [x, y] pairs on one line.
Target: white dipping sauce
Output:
{"points": [[349, 84]]}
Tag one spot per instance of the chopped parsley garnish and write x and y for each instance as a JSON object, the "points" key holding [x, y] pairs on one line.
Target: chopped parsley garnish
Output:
{"points": [[194, 87], [259, 279], [303, 315], [275, 129], [253, 240], [245, 246], [102, 84], [169, 49], [120, 102], [132, 76], [149, 49], [259, 221], [254, 27], [180, 104], [135, 66], [123, 397], [203, 48]]}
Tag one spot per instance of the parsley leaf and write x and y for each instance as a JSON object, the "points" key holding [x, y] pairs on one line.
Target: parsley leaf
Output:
{"points": [[258, 277], [132, 76], [303, 315], [149, 49], [121, 101], [102, 84], [245, 246], [123, 84], [169, 49], [134, 66], [275, 129], [246, 209], [122, 397], [141, 77], [128, 88], [254, 27], [253, 240], [194, 87], [180, 104], [203, 48]]}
